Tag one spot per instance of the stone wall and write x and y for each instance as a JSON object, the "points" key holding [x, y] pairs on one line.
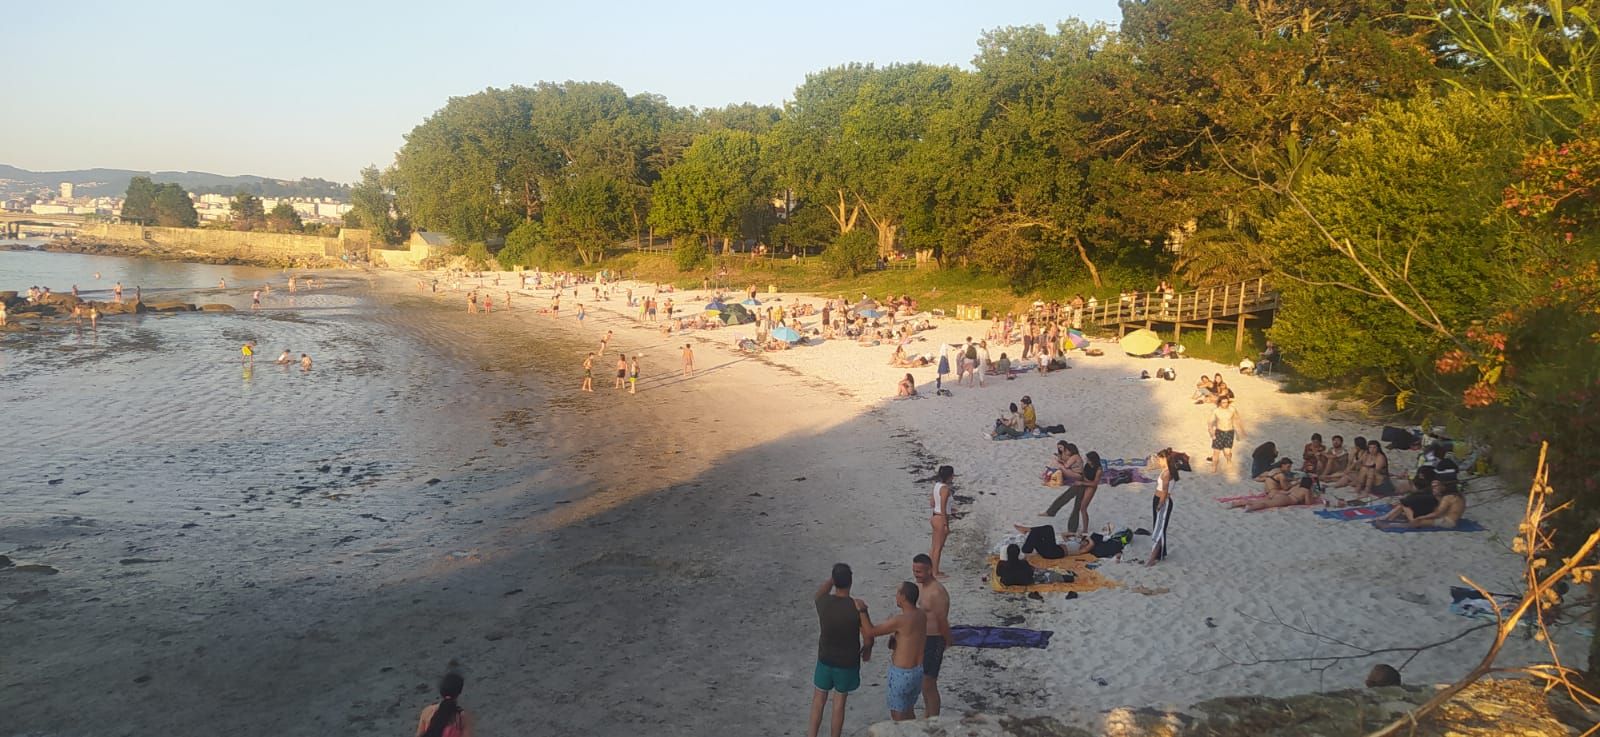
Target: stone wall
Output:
{"points": [[233, 244], [400, 258]]}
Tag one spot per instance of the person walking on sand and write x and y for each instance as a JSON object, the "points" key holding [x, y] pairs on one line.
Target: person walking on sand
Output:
{"points": [[840, 649], [633, 375], [943, 495], [588, 374], [1225, 428], [446, 718], [908, 631], [1161, 506], [933, 600], [688, 361]]}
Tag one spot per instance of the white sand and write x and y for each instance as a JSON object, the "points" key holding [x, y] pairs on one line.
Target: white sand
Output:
{"points": [[1344, 579]]}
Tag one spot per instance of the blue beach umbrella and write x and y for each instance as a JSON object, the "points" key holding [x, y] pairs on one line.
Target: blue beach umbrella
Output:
{"points": [[786, 334], [752, 302], [870, 314]]}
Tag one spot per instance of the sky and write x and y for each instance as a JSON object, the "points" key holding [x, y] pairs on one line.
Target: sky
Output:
{"points": [[320, 89]]}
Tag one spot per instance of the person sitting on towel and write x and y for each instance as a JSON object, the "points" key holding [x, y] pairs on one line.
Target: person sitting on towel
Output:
{"points": [[1446, 510], [1297, 495], [1014, 571], [1009, 425], [1030, 418]]}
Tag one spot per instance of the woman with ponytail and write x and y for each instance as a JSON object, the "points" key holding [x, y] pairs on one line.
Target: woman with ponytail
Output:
{"points": [[1161, 506], [446, 718]]}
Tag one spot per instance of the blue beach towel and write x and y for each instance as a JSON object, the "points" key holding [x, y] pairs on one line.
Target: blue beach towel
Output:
{"points": [[998, 637], [1134, 462], [1353, 513], [1465, 525]]}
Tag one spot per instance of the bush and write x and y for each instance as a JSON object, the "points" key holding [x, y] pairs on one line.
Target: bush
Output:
{"points": [[851, 253], [689, 253], [477, 255]]}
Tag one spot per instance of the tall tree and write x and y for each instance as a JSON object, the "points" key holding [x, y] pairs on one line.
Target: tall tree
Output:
{"points": [[139, 205], [712, 190], [371, 207], [247, 211], [173, 208], [283, 218], [589, 213]]}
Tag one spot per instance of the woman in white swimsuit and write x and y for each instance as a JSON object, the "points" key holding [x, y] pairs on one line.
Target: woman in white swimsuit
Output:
{"points": [[940, 521]]}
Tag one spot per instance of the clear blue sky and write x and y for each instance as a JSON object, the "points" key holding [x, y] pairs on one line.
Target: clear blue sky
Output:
{"points": [[320, 89]]}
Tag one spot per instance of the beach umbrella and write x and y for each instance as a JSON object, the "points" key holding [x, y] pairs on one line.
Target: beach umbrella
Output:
{"points": [[786, 334], [870, 314], [752, 302], [1077, 340], [1140, 342], [714, 307], [866, 304], [736, 315]]}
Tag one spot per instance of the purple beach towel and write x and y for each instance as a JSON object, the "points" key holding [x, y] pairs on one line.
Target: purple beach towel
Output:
{"points": [[998, 637], [1465, 525]]}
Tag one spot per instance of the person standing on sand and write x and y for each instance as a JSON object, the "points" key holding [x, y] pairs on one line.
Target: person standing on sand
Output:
{"points": [[588, 374], [580, 312], [622, 370], [1161, 507], [633, 375], [472, 302], [688, 361], [1225, 428], [908, 631], [555, 305], [255, 300], [943, 495], [933, 600], [605, 342], [488, 303], [840, 648], [446, 718]]}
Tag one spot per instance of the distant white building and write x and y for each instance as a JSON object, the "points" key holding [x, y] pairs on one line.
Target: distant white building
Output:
{"points": [[66, 191]]}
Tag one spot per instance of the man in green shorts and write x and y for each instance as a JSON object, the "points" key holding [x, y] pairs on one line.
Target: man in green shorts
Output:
{"points": [[839, 649]]}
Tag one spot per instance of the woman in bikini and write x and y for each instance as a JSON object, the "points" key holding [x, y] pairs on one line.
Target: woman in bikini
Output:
{"points": [[1299, 494], [1350, 475], [1375, 473], [1444, 511], [942, 496]]}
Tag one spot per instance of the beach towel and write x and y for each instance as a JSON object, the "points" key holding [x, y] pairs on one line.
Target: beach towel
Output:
{"points": [[1034, 435], [1469, 603], [1085, 578], [1245, 498], [1352, 513], [1120, 476], [1465, 525], [962, 635], [1137, 462]]}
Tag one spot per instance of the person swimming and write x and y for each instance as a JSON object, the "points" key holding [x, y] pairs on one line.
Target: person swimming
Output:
{"points": [[284, 358]]}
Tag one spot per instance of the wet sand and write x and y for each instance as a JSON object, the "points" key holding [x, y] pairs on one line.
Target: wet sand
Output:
{"points": [[607, 564]]}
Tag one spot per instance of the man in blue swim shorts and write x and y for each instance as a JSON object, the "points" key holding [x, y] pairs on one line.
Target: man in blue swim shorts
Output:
{"points": [[908, 632], [839, 649]]}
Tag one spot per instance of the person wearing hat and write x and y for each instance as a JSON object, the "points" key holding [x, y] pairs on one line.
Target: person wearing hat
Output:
{"points": [[1030, 418]]}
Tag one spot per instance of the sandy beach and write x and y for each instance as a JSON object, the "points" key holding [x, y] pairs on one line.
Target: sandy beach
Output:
{"points": [[612, 564]]}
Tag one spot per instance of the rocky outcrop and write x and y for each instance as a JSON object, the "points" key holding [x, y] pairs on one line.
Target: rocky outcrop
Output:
{"points": [[1498, 708], [216, 307]]}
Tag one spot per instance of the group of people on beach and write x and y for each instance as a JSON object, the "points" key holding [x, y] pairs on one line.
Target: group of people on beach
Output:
{"points": [[1430, 496]]}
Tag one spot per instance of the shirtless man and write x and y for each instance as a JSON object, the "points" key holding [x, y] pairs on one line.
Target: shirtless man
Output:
{"points": [[606, 341], [622, 370], [1225, 427], [934, 601], [688, 361], [908, 630], [305, 362], [1335, 459], [118, 292]]}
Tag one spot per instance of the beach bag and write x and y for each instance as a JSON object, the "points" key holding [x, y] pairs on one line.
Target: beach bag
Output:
{"points": [[1180, 461]]}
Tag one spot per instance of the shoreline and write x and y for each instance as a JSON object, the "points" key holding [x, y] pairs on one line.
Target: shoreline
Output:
{"points": [[122, 250]]}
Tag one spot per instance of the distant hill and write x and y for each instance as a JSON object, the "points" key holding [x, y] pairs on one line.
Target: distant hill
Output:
{"points": [[109, 182]]}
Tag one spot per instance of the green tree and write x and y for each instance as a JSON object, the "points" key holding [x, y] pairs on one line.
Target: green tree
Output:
{"points": [[1404, 252], [851, 254], [139, 204], [689, 253], [586, 215], [173, 208], [283, 218], [372, 207], [247, 211], [713, 189]]}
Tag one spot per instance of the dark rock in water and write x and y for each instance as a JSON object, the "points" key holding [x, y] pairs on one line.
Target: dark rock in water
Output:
{"points": [[135, 561], [431, 482], [5, 562], [8, 296], [24, 597], [142, 679], [190, 525], [324, 469], [167, 307], [53, 482], [214, 307]]}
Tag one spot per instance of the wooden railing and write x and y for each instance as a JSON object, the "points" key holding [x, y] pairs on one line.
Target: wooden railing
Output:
{"points": [[1209, 303]]}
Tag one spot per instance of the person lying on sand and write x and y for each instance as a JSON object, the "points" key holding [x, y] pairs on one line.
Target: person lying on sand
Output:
{"points": [[1042, 540], [1298, 494], [1415, 510]]}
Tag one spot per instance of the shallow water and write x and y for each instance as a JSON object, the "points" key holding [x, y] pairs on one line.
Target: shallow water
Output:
{"points": [[60, 271]]}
